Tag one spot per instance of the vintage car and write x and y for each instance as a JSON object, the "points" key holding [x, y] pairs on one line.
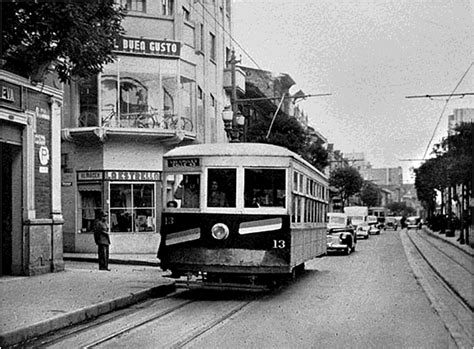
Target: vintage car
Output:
{"points": [[391, 223], [413, 222], [363, 230], [341, 234]]}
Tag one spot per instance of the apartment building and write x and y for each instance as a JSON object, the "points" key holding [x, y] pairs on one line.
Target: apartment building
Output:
{"points": [[166, 88]]}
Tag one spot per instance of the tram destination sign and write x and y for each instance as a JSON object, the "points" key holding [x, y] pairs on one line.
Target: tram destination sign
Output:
{"points": [[148, 47], [183, 163]]}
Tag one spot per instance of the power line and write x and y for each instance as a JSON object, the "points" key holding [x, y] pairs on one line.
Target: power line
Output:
{"points": [[445, 95], [444, 108], [225, 31]]}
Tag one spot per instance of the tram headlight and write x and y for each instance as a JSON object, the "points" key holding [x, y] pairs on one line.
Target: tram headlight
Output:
{"points": [[220, 231]]}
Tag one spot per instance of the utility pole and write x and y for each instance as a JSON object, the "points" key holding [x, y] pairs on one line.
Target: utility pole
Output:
{"points": [[233, 120]]}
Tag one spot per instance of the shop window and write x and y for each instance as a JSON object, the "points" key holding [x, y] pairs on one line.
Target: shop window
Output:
{"points": [[221, 187], [91, 204], [132, 207], [264, 188]]}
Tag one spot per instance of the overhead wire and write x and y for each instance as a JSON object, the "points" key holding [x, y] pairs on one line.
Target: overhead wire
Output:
{"points": [[444, 108]]}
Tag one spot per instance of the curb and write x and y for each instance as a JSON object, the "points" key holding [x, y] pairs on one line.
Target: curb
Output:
{"points": [[44, 327], [113, 261]]}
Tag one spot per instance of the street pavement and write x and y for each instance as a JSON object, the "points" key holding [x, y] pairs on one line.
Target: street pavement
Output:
{"points": [[33, 306]]}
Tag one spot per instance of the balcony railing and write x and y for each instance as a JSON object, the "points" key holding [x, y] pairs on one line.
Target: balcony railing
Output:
{"points": [[150, 119]]}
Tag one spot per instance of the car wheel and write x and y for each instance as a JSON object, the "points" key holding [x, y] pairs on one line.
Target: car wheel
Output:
{"points": [[366, 237], [348, 250]]}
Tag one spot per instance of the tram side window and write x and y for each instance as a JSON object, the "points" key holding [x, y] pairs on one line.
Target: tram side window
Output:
{"points": [[221, 187], [264, 188]]}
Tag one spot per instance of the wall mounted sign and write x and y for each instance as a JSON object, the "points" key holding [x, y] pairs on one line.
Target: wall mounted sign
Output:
{"points": [[148, 47]]}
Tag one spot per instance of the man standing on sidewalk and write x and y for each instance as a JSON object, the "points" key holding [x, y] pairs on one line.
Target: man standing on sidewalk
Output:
{"points": [[101, 237]]}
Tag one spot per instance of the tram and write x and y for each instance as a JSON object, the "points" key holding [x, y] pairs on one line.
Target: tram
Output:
{"points": [[240, 213]]}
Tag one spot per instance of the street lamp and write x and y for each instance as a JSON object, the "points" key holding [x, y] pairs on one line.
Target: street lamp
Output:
{"points": [[233, 124]]}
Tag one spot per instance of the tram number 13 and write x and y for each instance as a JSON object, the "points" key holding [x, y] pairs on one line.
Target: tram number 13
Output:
{"points": [[278, 243]]}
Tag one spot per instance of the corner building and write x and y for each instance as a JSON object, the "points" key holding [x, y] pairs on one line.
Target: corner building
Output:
{"points": [[31, 220], [165, 89]]}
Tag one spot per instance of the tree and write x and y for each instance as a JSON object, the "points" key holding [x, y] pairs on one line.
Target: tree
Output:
{"points": [[370, 194], [347, 181], [401, 209], [286, 132], [77, 37], [316, 155]]}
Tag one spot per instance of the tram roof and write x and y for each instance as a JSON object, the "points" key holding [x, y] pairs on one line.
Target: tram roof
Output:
{"points": [[236, 149], [231, 149]]}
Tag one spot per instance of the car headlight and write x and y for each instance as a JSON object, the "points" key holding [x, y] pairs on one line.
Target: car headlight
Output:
{"points": [[220, 231]]}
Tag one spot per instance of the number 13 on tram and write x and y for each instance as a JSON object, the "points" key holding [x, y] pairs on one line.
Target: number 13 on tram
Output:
{"points": [[240, 212]]}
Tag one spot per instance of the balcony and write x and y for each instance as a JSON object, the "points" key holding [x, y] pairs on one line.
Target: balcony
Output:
{"points": [[163, 127], [239, 80]]}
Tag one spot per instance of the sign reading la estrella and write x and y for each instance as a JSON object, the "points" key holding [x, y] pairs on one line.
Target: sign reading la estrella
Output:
{"points": [[132, 176], [149, 47], [118, 175]]}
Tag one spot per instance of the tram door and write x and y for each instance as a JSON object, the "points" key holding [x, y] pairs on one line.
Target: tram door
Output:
{"points": [[9, 154]]}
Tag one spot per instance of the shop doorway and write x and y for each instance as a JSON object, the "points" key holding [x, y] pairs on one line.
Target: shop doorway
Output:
{"points": [[10, 193]]}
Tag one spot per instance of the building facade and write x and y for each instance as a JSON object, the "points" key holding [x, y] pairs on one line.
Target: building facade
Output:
{"points": [[165, 89], [30, 138]]}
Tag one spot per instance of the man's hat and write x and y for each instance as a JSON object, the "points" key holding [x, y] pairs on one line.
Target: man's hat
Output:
{"points": [[102, 213]]}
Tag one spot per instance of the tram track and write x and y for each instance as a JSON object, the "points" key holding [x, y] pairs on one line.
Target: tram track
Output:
{"points": [[454, 273], [446, 281], [112, 330]]}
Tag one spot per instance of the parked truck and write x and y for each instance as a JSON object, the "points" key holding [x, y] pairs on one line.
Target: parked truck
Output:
{"points": [[357, 214]]}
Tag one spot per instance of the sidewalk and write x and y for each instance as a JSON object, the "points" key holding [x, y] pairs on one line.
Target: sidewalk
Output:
{"points": [[32, 306], [452, 240]]}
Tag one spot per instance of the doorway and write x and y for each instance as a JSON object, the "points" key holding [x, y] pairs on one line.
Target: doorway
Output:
{"points": [[10, 202]]}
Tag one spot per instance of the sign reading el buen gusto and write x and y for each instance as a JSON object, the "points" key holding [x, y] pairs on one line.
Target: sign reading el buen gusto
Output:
{"points": [[148, 47]]}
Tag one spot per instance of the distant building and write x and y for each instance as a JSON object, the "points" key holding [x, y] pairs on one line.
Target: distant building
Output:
{"points": [[459, 116]]}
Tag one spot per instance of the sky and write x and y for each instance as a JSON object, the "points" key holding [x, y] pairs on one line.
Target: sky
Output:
{"points": [[369, 55]]}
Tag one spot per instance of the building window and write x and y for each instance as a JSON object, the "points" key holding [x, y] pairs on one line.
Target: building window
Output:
{"points": [[213, 101], [199, 94], [167, 7], [134, 5], [212, 46], [132, 207], [186, 14]]}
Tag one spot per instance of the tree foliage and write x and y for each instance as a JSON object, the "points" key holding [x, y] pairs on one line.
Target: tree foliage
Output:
{"points": [[285, 132], [77, 36], [316, 155], [370, 194], [289, 133], [451, 166], [347, 181], [401, 209]]}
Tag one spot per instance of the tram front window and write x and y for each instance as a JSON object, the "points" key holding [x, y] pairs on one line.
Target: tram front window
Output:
{"points": [[188, 191], [221, 187], [264, 188]]}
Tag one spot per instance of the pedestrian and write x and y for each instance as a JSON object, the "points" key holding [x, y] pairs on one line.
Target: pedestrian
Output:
{"points": [[102, 239]]}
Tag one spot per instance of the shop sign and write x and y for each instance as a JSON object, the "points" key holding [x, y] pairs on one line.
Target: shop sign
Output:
{"points": [[90, 176], [183, 163], [10, 95], [40, 140], [43, 154], [132, 176], [148, 47]]}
